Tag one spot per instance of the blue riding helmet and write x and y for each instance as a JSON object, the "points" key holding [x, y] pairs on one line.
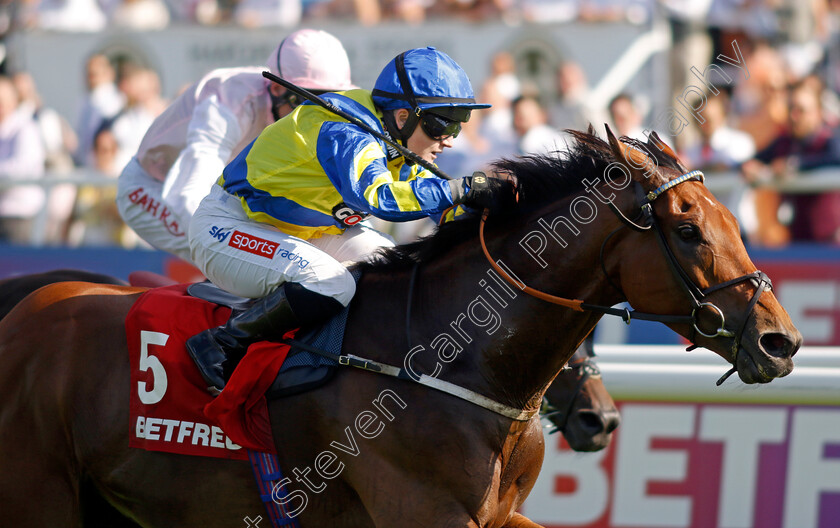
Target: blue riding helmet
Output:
{"points": [[434, 80], [425, 81]]}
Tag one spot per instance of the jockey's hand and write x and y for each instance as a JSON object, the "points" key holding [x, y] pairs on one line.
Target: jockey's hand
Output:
{"points": [[480, 191]]}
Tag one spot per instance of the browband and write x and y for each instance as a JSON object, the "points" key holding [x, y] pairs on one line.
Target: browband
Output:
{"points": [[693, 175]]}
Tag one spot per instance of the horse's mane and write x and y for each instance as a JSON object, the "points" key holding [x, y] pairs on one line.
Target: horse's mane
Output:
{"points": [[542, 179]]}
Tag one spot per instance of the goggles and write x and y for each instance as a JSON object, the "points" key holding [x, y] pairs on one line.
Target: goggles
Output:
{"points": [[444, 122], [292, 99]]}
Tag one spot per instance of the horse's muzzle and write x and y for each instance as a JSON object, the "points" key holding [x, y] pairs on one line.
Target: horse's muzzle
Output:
{"points": [[770, 360], [590, 430]]}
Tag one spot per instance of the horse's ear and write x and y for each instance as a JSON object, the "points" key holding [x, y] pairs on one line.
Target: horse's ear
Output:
{"points": [[615, 144], [655, 141], [640, 165]]}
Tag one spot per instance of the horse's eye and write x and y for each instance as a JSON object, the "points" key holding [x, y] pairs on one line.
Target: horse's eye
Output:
{"points": [[689, 232]]}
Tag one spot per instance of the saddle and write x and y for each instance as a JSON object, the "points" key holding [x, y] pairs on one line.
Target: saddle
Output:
{"points": [[313, 358]]}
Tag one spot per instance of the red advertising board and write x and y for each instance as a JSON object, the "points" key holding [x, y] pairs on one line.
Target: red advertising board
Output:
{"points": [[806, 280], [687, 465], [810, 292]]}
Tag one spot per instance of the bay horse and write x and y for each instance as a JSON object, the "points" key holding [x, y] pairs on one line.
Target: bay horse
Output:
{"points": [[14, 289], [394, 451], [577, 402]]}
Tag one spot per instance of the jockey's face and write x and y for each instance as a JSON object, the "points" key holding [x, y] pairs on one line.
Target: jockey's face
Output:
{"points": [[284, 108], [421, 144]]}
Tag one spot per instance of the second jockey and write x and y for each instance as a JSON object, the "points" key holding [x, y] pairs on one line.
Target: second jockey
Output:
{"points": [[187, 146]]}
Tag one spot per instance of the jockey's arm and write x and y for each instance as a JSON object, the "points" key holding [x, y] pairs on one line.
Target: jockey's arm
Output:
{"points": [[356, 164], [213, 132]]}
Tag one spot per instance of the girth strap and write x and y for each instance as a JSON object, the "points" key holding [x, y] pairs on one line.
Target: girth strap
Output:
{"points": [[267, 473]]}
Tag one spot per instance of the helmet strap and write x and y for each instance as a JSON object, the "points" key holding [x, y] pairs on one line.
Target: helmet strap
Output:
{"points": [[391, 126], [414, 111], [401, 134], [277, 101]]}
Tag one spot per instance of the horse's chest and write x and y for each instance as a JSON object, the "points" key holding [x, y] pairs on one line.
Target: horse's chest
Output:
{"points": [[518, 466]]}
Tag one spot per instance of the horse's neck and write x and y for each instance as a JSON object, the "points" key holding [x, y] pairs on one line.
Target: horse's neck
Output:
{"points": [[472, 329]]}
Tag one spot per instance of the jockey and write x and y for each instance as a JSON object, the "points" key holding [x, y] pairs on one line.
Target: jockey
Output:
{"points": [[286, 212], [185, 149]]}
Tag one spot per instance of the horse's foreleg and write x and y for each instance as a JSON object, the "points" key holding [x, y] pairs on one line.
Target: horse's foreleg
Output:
{"points": [[520, 521], [33, 495]]}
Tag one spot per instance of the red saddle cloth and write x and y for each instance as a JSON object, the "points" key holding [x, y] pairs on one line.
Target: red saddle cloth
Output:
{"points": [[170, 409]]}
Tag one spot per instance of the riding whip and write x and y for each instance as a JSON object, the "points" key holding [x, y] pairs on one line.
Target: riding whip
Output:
{"points": [[306, 94]]}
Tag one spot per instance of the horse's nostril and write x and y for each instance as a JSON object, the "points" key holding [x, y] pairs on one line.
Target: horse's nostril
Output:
{"points": [[613, 419], [590, 422], [777, 345]]}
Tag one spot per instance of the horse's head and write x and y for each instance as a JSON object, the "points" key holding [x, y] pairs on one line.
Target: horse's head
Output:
{"points": [[579, 406], [690, 260]]}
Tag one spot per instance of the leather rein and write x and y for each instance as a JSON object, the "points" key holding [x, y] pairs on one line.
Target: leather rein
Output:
{"points": [[695, 294], [697, 297]]}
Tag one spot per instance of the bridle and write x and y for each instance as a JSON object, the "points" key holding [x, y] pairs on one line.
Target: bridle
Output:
{"points": [[697, 297], [583, 366]]}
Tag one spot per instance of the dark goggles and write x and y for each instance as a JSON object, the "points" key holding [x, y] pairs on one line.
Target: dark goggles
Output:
{"points": [[292, 99], [443, 122]]}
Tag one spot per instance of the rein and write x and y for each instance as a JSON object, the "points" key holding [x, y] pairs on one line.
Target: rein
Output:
{"points": [[575, 304], [695, 294]]}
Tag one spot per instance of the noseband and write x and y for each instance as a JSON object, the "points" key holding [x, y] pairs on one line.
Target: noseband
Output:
{"points": [[582, 364], [696, 296]]}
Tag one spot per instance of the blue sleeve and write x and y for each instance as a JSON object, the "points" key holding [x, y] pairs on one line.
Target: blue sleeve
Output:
{"points": [[355, 162]]}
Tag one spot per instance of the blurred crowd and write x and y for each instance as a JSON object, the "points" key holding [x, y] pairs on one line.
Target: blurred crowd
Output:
{"points": [[778, 123], [767, 121], [95, 15], [35, 142]]}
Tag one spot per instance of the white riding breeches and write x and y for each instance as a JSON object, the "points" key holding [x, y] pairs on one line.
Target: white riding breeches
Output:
{"points": [[140, 203], [252, 259]]}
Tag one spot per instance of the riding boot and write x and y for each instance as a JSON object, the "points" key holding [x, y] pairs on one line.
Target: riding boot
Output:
{"points": [[218, 350]]}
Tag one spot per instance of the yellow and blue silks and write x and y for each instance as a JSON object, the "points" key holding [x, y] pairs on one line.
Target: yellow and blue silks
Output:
{"points": [[304, 166]]}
